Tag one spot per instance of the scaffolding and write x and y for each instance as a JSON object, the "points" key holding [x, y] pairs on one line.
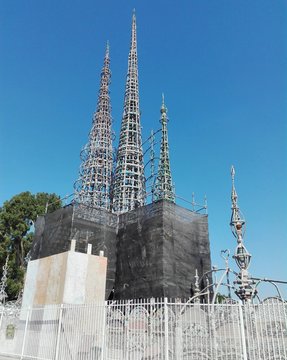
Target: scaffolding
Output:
{"points": [[128, 187], [93, 187]]}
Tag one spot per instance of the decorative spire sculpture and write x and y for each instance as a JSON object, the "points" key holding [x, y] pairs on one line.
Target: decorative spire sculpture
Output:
{"points": [[3, 283], [93, 187], [129, 188], [163, 185], [241, 256], [196, 288]]}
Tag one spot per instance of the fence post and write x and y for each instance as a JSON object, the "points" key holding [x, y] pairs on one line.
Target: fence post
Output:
{"points": [[104, 330], [242, 332], [59, 332], [165, 329], [25, 333]]}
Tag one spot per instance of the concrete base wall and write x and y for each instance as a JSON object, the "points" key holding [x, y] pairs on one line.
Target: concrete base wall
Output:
{"points": [[69, 278]]}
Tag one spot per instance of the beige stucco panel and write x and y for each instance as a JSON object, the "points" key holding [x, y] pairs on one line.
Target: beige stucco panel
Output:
{"points": [[51, 280], [30, 283], [76, 274], [96, 279]]}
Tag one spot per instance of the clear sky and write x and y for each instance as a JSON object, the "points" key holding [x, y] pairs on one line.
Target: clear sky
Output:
{"points": [[222, 67]]}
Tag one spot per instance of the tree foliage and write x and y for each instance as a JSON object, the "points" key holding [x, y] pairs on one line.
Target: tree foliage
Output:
{"points": [[17, 217]]}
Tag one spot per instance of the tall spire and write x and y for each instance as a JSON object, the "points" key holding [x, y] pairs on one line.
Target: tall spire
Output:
{"points": [[241, 256], [94, 183], [129, 188], [163, 185]]}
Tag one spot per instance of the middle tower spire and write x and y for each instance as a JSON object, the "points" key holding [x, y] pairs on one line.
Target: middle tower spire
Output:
{"points": [[129, 184]]}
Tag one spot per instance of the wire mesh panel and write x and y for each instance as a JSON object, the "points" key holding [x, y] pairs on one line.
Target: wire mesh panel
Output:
{"points": [[266, 330], [159, 329], [11, 330], [81, 332], [192, 332], [228, 340], [41, 332], [135, 330]]}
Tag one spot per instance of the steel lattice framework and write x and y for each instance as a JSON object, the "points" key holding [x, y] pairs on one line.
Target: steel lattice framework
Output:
{"points": [[94, 184], [129, 188], [163, 186]]}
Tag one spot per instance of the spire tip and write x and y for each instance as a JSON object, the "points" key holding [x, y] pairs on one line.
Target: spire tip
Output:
{"points": [[163, 107], [232, 172], [107, 48]]}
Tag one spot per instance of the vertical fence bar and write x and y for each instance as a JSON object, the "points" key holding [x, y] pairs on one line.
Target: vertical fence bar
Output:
{"points": [[25, 333], [165, 329], [59, 332], [242, 332], [2, 315], [178, 342], [104, 330]]}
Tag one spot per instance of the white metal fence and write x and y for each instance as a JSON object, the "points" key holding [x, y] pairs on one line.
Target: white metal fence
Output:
{"points": [[147, 329]]}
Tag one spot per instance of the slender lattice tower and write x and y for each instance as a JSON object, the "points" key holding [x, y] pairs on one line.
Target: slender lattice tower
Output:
{"points": [[129, 184], [163, 185], [94, 184]]}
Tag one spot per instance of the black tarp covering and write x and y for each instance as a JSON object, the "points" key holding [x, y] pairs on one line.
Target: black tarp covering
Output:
{"points": [[159, 247], [152, 251]]}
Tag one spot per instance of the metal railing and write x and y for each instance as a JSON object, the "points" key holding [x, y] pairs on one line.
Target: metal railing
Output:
{"points": [[147, 329]]}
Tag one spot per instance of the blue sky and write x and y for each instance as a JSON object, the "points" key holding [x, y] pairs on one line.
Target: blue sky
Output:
{"points": [[222, 67]]}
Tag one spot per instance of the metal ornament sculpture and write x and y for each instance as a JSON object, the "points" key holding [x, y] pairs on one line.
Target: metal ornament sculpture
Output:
{"points": [[241, 256]]}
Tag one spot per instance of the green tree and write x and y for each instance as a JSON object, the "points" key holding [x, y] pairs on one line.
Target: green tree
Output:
{"points": [[17, 217], [220, 298]]}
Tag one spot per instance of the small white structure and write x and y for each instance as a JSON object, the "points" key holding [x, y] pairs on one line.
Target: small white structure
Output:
{"points": [[67, 278]]}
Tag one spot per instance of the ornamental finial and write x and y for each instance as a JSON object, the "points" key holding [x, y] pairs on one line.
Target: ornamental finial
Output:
{"points": [[241, 256], [233, 192], [237, 221]]}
